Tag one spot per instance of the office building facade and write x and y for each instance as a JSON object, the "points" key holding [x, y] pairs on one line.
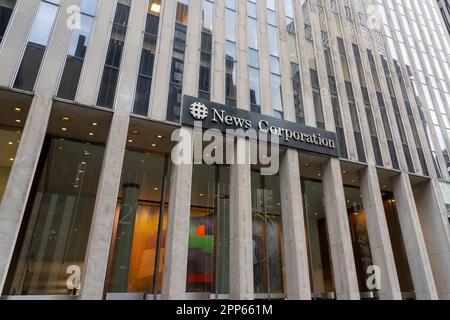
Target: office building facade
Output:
{"points": [[93, 206]]}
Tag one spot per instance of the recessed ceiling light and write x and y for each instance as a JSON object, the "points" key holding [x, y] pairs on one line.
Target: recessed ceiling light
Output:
{"points": [[60, 148], [94, 124], [201, 195], [83, 163], [64, 129], [156, 189], [159, 136], [344, 172], [10, 143], [154, 145], [17, 109], [87, 153], [130, 141], [148, 154], [353, 181], [91, 134], [11, 159], [18, 121], [306, 164], [135, 132], [65, 119]]}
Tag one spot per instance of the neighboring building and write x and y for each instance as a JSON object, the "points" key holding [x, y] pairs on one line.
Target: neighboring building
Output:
{"points": [[93, 207]]}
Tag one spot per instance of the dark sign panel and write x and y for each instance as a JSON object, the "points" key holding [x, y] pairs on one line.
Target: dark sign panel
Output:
{"points": [[290, 134]]}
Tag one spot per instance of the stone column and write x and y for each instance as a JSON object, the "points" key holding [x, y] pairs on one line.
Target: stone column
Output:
{"points": [[294, 238], [344, 270], [177, 234], [14, 41], [413, 239], [434, 221], [17, 190], [241, 238], [380, 242], [97, 253]]}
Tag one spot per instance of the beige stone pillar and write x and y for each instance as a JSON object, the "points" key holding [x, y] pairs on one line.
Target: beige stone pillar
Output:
{"points": [[297, 285], [380, 242], [98, 249], [436, 230], [344, 270], [241, 237], [413, 239]]}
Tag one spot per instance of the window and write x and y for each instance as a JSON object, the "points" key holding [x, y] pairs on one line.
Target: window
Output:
{"points": [[137, 259], [6, 10], [206, 51], [177, 68], [37, 43], [77, 51], [209, 231], [267, 242], [110, 76], [56, 227], [145, 77]]}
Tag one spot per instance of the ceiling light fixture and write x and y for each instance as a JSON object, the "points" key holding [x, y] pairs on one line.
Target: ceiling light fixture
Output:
{"points": [[65, 119], [17, 109], [159, 136], [18, 121], [64, 129]]}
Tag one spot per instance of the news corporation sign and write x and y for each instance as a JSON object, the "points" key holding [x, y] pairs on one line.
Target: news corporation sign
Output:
{"points": [[288, 134]]}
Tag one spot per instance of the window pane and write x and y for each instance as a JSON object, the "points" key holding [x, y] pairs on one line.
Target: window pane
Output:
{"points": [[138, 211], [56, 232]]}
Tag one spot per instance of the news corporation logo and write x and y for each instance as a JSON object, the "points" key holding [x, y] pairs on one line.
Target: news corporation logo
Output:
{"points": [[199, 111]]}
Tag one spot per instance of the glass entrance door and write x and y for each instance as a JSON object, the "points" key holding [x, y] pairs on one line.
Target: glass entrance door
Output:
{"points": [[267, 242]]}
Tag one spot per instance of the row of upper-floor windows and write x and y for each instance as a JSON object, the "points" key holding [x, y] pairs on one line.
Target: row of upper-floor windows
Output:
{"points": [[80, 38]]}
